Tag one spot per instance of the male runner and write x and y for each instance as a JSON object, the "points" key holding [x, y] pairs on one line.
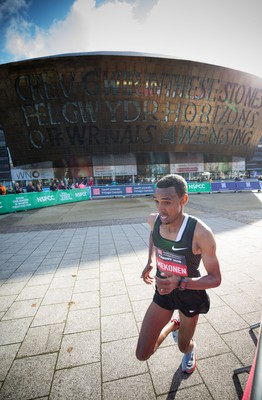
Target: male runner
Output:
{"points": [[179, 242]]}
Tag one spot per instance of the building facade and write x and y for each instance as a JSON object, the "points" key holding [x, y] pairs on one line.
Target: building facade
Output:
{"points": [[129, 116]]}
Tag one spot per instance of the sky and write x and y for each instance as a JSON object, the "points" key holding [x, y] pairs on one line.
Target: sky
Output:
{"points": [[220, 32]]}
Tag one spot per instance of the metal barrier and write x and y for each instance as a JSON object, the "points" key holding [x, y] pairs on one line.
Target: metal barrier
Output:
{"points": [[253, 389]]}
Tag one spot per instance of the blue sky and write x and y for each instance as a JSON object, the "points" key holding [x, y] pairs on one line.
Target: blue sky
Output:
{"points": [[224, 32]]}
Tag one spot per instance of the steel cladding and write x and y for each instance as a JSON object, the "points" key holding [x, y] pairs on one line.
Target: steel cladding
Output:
{"points": [[65, 107]]}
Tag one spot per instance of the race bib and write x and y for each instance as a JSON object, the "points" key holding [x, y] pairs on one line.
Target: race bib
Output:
{"points": [[171, 263]]}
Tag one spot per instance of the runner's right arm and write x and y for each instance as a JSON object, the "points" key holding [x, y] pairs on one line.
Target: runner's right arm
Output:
{"points": [[149, 266]]}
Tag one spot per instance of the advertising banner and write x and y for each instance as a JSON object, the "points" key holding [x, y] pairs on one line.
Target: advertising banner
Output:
{"points": [[235, 186], [223, 186], [121, 190], [33, 171], [28, 201], [199, 187], [247, 185]]}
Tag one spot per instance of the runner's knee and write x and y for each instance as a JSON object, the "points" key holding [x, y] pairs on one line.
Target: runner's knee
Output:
{"points": [[142, 355]]}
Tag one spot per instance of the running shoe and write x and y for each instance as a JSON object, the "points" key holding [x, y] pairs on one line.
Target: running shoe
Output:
{"points": [[189, 361], [175, 332]]}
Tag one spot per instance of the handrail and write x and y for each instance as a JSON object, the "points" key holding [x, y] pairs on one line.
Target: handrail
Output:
{"points": [[256, 392]]}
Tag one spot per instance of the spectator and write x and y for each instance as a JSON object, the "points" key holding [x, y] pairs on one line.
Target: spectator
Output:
{"points": [[38, 187], [10, 190], [18, 189], [91, 181], [53, 186], [81, 185], [62, 186], [2, 189], [30, 187]]}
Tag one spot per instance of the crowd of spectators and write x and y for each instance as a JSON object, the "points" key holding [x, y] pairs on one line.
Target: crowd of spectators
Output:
{"points": [[17, 188]]}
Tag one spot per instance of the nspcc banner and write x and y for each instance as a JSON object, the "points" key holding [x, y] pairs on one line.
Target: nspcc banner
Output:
{"points": [[199, 187], [28, 201]]}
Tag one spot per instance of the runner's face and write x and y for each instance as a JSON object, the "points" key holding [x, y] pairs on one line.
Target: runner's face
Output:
{"points": [[169, 205]]}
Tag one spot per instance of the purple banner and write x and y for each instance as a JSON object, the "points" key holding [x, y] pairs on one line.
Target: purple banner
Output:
{"points": [[223, 186], [247, 185], [235, 186]]}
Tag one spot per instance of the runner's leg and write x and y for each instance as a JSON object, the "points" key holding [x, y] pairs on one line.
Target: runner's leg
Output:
{"points": [[151, 336], [186, 332]]}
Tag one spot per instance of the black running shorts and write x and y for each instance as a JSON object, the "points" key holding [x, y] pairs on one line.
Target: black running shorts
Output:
{"points": [[189, 302]]}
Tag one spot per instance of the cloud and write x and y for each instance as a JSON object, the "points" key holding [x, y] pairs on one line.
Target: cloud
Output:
{"points": [[12, 8], [224, 33]]}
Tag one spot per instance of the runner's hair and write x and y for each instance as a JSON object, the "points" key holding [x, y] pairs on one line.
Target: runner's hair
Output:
{"points": [[173, 180]]}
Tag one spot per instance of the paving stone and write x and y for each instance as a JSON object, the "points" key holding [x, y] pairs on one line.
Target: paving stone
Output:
{"points": [[40, 279], [226, 287], [59, 295], [112, 289], [137, 387], [88, 274], [4, 275], [109, 266], [19, 277], [145, 292], [7, 356], [32, 292], [42, 339], [116, 327], [29, 378], [86, 285], [241, 303], [11, 288], [14, 331], [79, 348], [119, 361], [67, 271], [228, 320], [50, 314], [115, 305], [22, 309], [252, 318], [217, 372], [139, 309], [82, 320], [89, 261], [252, 288], [111, 276], [83, 300], [196, 392], [242, 345], [78, 383], [166, 373], [62, 282], [209, 343], [6, 302], [215, 300]]}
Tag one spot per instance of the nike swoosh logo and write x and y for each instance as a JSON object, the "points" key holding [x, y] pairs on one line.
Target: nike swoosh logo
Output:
{"points": [[179, 248], [191, 311]]}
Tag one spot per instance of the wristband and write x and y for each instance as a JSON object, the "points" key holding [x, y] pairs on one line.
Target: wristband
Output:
{"points": [[182, 284]]}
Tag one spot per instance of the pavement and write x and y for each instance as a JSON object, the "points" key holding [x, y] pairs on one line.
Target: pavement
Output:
{"points": [[72, 302]]}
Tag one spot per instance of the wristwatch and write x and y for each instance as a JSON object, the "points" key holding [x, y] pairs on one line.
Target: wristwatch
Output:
{"points": [[182, 284]]}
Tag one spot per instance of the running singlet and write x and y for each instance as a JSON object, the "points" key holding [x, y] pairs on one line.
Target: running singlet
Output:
{"points": [[176, 257]]}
